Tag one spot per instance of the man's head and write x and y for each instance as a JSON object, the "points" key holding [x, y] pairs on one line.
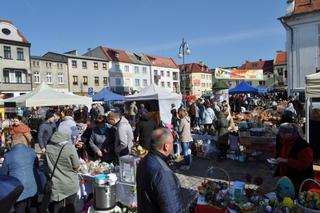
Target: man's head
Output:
{"points": [[113, 118], [68, 112], [162, 141], [50, 117], [288, 132]]}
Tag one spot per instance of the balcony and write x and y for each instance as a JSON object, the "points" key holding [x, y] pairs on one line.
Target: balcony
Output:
{"points": [[8, 87]]}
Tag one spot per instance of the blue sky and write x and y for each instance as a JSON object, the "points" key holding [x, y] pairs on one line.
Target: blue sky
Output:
{"points": [[219, 32]]}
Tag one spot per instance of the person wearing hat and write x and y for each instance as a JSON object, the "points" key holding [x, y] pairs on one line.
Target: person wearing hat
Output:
{"points": [[46, 130]]}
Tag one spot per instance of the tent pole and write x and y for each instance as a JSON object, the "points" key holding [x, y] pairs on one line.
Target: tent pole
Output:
{"points": [[307, 105]]}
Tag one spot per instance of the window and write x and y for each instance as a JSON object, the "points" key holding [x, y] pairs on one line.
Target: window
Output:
{"points": [[7, 52], [162, 73], [75, 80], [95, 65], [175, 76], [84, 65], [207, 76], [127, 82], [37, 77], [6, 76], [261, 83], [144, 70], [34, 63], [162, 83], [155, 72], [145, 82], [254, 64], [60, 78], [96, 80], [203, 76], [74, 63], [137, 82], [136, 70], [38, 64], [126, 68], [168, 73], [286, 74], [85, 80], [18, 77], [104, 66], [117, 67], [203, 85], [118, 81], [48, 65], [20, 55], [105, 81], [49, 77], [169, 84]]}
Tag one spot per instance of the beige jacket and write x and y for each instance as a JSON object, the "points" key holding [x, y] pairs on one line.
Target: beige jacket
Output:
{"points": [[185, 130]]}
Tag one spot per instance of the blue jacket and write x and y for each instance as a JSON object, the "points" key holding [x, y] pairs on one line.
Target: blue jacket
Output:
{"points": [[158, 187], [44, 134], [20, 163]]}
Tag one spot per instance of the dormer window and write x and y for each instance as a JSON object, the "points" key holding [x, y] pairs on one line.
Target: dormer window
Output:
{"points": [[117, 55]]}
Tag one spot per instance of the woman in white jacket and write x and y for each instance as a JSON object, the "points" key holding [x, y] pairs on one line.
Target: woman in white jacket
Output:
{"points": [[208, 117]]}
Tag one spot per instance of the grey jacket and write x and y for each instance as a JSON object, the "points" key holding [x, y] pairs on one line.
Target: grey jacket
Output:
{"points": [[185, 130], [44, 134], [65, 178], [124, 136]]}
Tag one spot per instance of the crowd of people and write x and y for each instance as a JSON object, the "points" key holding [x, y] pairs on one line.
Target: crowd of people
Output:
{"points": [[60, 137]]}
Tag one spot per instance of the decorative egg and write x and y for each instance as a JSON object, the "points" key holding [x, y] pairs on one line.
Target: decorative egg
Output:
{"points": [[285, 188], [268, 209]]}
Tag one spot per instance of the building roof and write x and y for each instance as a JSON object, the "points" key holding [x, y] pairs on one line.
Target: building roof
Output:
{"points": [[300, 7], [46, 59], [138, 58], [195, 68], [75, 56], [116, 55], [162, 61], [266, 66], [281, 58], [24, 40]]}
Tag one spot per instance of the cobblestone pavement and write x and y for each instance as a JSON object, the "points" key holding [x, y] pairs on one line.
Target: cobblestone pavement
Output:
{"points": [[236, 170]]}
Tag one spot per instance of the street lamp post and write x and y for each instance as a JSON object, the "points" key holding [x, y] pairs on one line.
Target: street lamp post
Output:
{"points": [[184, 50]]}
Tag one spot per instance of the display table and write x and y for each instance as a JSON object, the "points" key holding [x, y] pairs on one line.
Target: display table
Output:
{"points": [[253, 144]]}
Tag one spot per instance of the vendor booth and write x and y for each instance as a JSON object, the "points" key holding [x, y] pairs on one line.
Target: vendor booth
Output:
{"points": [[161, 96], [312, 90], [44, 95], [244, 87], [106, 95]]}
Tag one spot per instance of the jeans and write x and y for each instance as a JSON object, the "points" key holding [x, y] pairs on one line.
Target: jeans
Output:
{"points": [[186, 153]]}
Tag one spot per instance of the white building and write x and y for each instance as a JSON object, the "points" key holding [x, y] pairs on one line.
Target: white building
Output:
{"points": [[302, 24], [85, 73], [165, 72], [14, 61], [128, 71]]}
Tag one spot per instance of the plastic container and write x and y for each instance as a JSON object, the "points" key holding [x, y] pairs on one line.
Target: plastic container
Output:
{"points": [[128, 168]]}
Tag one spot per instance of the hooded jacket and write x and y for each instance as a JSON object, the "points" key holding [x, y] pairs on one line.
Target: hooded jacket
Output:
{"points": [[124, 136], [185, 130], [65, 178]]}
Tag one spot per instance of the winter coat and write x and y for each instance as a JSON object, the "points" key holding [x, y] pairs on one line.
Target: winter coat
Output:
{"points": [[65, 178], [44, 134], [124, 136], [158, 187], [208, 116], [185, 130], [20, 163], [144, 130]]}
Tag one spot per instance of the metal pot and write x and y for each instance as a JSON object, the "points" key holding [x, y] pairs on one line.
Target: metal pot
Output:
{"points": [[104, 196]]}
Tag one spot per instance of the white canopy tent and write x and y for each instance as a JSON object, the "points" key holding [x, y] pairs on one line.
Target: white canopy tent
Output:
{"points": [[44, 95], [312, 90], [165, 99]]}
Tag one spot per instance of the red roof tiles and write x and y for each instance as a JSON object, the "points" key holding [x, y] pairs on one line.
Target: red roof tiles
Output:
{"points": [[117, 55], [266, 66], [162, 61], [194, 67], [306, 6], [281, 58]]}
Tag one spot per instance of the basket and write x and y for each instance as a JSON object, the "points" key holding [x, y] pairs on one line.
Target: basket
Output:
{"points": [[211, 170], [302, 208]]}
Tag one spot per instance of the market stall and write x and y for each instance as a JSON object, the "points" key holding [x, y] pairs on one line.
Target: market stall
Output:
{"points": [[44, 95], [244, 87], [106, 95], [312, 90], [163, 98]]}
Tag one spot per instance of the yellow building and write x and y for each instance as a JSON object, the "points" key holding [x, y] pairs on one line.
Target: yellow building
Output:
{"points": [[196, 78]]}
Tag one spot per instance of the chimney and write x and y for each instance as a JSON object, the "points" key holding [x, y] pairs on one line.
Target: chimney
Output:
{"points": [[260, 59]]}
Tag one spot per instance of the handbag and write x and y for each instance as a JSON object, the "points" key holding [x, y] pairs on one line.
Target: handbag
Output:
{"points": [[48, 188]]}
